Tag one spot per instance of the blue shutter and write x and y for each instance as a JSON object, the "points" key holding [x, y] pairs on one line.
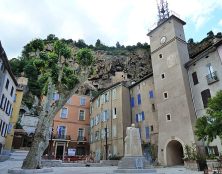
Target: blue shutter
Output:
{"points": [[147, 132], [107, 113], [143, 116], [151, 94], [137, 118], [132, 102], [139, 99]]}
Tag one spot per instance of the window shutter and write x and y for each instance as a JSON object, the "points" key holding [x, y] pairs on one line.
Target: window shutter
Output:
{"points": [[132, 102], [147, 132], [205, 96], [143, 116], [107, 113], [137, 118], [151, 94], [107, 96], [195, 79], [139, 99]]}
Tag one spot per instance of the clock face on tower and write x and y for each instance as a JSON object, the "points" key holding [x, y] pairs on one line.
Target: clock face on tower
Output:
{"points": [[163, 40]]}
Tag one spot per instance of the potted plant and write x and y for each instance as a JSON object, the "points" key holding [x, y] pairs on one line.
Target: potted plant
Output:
{"points": [[190, 157]]}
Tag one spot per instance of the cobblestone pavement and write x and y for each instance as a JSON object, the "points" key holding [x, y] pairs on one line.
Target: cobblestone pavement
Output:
{"points": [[17, 158]]}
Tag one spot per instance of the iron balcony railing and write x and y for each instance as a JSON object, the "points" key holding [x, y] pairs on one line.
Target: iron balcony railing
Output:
{"points": [[63, 137], [212, 77], [81, 138]]}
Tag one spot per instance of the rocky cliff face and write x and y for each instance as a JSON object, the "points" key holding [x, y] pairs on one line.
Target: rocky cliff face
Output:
{"points": [[130, 65]]}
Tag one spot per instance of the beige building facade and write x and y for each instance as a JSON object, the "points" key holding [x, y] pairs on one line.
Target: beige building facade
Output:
{"points": [[144, 114], [110, 115]]}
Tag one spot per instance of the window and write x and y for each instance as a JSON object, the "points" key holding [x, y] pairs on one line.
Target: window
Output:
{"points": [[104, 132], [92, 122], [106, 95], [212, 150], [55, 96], [105, 116], [168, 117], [91, 108], [165, 95], [82, 101], [151, 95], [114, 113], [5, 104], [140, 117], [97, 119], [205, 96], [195, 79], [7, 84], [153, 107], [160, 55], [114, 94], [97, 135], [147, 131], [61, 131], [132, 102], [81, 115], [139, 99], [3, 129], [2, 101], [12, 90], [162, 75], [210, 68], [81, 133], [64, 113], [151, 128], [98, 102], [69, 101]]}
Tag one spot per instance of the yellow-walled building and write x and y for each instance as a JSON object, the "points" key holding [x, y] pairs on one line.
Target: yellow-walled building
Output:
{"points": [[22, 81]]}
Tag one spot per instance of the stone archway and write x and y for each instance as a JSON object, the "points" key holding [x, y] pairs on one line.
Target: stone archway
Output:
{"points": [[174, 153]]}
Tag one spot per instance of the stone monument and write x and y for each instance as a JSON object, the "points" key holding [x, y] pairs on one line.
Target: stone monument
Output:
{"points": [[133, 160]]}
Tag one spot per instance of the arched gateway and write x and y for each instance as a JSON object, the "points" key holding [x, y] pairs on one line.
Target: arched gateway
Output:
{"points": [[174, 153]]}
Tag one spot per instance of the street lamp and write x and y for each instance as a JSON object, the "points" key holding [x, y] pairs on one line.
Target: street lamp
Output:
{"points": [[106, 146]]}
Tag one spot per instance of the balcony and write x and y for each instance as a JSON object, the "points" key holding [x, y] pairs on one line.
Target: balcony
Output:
{"points": [[212, 77], [81, 139], [62, 137]]}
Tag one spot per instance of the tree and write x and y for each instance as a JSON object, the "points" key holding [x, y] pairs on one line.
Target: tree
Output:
{"points": [[80, 43], [98, 43], [51, 37], [54, 75], [84, 57], [118, 45], [209, 126], [210, 34]]}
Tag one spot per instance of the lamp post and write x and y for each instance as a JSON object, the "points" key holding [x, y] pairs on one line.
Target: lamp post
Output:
{"points": [[106, 146]]}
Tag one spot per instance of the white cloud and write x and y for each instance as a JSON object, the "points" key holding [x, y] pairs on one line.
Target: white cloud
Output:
{"points": [[220, 22], [126, 21]]}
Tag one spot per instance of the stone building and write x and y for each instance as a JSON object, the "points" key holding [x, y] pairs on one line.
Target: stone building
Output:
{"points": [[70, 134], [22, 82], [144, 113], [8, 85], [205, 72], [110, 115], [176, 116]]}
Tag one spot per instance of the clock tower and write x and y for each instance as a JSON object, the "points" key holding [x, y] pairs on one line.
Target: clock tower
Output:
{"points": [[176, 116]]}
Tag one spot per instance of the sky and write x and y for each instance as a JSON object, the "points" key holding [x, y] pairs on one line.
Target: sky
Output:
{"points": [[126, 21]]}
